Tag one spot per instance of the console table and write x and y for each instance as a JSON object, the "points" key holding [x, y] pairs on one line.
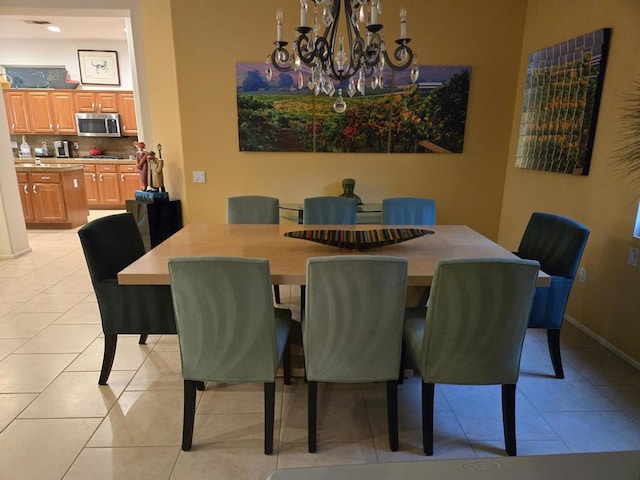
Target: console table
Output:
{"points": [[157, 221]]}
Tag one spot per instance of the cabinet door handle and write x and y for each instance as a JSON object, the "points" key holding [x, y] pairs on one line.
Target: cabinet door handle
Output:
{"points": [[124, 128], [35, 190], [50, 127], [93, 177], [100, 177], [100, 106], [13, 126], [93, 106], [122, 177], [57, 126], [26, 189]]}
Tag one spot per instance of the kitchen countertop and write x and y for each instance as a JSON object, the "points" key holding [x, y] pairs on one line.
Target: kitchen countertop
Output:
{"points": [[74, 161], [48, 167]]}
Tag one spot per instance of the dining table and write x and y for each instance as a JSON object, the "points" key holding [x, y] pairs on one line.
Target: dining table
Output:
{"points": [[288, 256]]}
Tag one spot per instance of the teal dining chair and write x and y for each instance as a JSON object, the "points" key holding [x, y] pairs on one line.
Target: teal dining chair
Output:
{"points": [[408, 211], [228, 330], [109, 245], [255, 209], [352, 331], [472, 332], [556, 242], [329, 211]]}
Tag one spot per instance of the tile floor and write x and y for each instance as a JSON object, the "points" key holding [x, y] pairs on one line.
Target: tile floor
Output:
{"points": [[57, 423]]}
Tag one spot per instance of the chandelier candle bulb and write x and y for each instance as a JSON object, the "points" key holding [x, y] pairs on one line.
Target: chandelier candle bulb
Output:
{"points": [[279, 16], [403, 23], [303, 13], [374, 13]]}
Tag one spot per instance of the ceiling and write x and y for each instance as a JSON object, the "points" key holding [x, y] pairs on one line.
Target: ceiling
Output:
{"points": [[73, 28]]}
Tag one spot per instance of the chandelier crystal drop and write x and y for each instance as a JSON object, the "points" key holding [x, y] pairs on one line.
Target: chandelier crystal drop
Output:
{"points": [[345, 59]]}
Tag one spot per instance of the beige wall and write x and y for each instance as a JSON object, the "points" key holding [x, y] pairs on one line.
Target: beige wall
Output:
{"points": [[609, 302], [210, 37]]}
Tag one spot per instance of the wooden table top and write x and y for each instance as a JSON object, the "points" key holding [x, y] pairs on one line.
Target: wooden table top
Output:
{"points": [[288, 256]]}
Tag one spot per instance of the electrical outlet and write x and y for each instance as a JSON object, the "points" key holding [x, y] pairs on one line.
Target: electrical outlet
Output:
{"points": [[633, 256], [582, 277], [198, 176]]}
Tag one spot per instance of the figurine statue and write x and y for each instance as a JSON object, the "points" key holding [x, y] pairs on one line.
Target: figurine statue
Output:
{"points": [[348, 184], [156, 180], [142, 163]]}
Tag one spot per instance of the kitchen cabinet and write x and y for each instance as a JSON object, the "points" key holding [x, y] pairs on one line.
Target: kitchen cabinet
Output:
{"points": [[91, 185], [52, 196], [51, 112], [15, 102], [129, 181], [96, 102], [64, 112], [25, 197], [127, 110], [40, 112], [109, 186]]}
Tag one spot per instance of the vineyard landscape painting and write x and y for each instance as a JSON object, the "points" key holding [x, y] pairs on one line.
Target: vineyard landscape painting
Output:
{"points": [[560, 108], [398, 117]]}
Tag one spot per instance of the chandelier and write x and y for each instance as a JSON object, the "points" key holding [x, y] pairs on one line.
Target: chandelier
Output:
{"points": [[333, 58]]}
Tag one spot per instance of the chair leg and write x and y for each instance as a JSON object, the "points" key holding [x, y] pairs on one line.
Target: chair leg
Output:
{"points": [[286, 362], [509, 418], [312, 415], [392, 414], [553, 339], [110, 342], [428, 391], [269, 407], [276, 293], [303, 292], [200, 386], [403, 353], [143, 339], [189, 413]]}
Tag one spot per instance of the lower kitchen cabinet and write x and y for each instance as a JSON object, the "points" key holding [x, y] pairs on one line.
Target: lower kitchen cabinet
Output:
{"points": [[110, 185], [54, 199]]}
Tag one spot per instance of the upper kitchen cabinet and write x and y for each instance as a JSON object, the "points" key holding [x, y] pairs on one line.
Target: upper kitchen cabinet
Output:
{"points": [[96, 102], [127, 110], [15, 102], [64, 110], [41, 112]]}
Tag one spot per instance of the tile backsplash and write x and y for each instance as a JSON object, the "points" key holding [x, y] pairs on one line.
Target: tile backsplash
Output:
{"points": [[116, 146]]}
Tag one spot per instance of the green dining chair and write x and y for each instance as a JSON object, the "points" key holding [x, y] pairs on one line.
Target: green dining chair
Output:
{"points": [[110, 244], [352, 331], [329, 211], [255, 209], [472, 332], [228, 330], [408, 211], [556, 242]]}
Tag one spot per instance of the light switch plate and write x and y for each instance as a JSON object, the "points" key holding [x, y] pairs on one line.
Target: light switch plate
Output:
{"points": [[198, 176]]}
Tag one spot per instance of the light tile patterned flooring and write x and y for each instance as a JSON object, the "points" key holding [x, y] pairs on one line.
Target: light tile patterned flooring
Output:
{"points": [[57, 423]]}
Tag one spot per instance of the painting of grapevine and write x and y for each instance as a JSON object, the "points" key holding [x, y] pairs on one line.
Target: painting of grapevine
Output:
{"points": [[560, 108], [396, 117]]}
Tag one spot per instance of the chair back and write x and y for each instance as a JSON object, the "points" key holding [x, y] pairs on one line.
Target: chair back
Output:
{"points": [[329, 211], [254, 209], [408, 211], [225, 318], [110, 244], [352, 329], [556, 242], [476, 320]]}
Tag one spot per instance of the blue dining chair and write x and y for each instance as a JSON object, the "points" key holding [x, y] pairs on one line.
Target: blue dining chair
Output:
{"points": [[556, 242], [408, 211], [329, 211], [256, 209], [228, 330], [472, 332], [352, 331]]}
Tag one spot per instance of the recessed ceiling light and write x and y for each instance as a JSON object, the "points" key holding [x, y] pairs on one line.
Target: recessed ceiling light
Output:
{"points": [[53, 28]]}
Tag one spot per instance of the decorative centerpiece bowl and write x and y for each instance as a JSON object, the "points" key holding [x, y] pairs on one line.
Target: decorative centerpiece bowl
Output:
{"points": [[360, 239]]}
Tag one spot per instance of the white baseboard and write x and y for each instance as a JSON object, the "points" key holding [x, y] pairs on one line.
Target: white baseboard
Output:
{"points": [[15, 255], [612, 348]]}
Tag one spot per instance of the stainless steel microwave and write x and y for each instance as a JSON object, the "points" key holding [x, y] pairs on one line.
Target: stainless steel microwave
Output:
{"points": [[98, 124]]}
